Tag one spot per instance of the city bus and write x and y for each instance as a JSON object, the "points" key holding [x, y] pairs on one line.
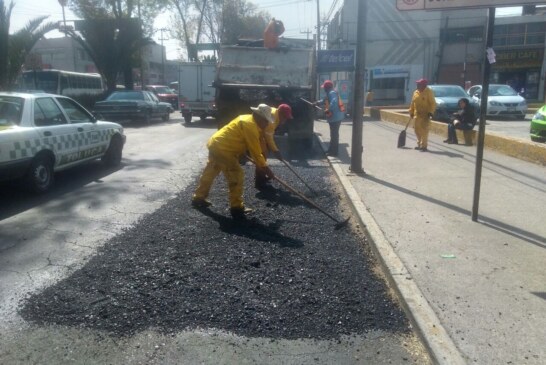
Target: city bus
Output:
{"points": [[59, 82]]}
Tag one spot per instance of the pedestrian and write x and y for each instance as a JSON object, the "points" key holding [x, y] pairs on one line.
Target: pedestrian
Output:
{"points": [[272, 32], [335, 113], [369, 98], [267, 141], [422, 107], [226, 147], [464, 119]]}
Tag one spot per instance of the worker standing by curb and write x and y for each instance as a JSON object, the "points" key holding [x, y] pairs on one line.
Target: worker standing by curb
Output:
{"points": [[422, 107]]}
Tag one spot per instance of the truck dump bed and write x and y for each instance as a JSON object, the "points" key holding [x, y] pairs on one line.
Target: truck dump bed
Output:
{"points": [[268, 69], [247, 76]]}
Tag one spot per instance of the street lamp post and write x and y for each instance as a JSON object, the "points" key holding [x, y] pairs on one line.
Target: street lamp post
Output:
{"points": [[63, 4]]}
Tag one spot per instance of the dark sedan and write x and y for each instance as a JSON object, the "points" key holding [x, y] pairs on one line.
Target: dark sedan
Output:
{"points": [[447, 98], [131, 106]]}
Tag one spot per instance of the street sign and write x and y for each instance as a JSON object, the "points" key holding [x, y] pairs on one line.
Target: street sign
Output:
{"points": [[459, 4]]}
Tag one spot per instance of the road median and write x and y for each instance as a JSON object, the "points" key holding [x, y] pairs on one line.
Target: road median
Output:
{"points": [[515, 147]]}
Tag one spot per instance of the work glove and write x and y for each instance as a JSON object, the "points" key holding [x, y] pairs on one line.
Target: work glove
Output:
{"points": [[268, 173], [278, 155]]}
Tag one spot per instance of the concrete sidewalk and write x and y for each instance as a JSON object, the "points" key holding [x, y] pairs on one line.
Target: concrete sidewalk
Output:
{"points": [[485, 281]]}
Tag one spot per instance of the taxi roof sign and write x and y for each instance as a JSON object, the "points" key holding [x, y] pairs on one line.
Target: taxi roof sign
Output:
{"points": [[460, 4]]}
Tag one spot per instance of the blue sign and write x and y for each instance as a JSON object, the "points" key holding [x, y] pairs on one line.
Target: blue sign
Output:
{"points": [[336, 60]]}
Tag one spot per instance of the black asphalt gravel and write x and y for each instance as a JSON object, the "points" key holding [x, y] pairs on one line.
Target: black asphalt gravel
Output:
{"points": [[284, 273]]}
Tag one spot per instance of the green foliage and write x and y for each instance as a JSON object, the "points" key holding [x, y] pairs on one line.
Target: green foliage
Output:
{"points": [[15, 47]]}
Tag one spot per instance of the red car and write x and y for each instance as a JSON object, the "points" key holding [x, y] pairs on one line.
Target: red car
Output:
{"points": [[165, 94]]}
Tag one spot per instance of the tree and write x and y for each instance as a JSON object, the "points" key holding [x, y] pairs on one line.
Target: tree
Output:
{"points": [[113, 36], [218, 21], [15, 47]]}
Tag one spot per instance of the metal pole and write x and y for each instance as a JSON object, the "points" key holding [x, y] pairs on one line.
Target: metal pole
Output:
{"points": [[483, 112], [358, 95], [318, 26]]}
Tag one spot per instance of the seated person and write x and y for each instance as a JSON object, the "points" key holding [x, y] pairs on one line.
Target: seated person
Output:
{"points": [[272, 32], [464, 119]]}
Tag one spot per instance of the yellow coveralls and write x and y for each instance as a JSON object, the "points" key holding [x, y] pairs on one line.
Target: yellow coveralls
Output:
{"points": [[226, 146], [267, 143], [422, 104]]}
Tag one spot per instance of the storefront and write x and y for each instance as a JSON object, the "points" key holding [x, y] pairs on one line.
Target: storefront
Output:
{"points": [[520, 69]]}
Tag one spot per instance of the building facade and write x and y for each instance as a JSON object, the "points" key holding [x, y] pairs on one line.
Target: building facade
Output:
{"points": [[442, 46], [66, 54]]}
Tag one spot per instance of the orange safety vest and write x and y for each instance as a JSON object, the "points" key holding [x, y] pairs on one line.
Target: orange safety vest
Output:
{"points": [[339, 103]]}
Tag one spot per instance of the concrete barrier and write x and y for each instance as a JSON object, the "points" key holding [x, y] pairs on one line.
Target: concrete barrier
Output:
{"points": [[515, 147]]}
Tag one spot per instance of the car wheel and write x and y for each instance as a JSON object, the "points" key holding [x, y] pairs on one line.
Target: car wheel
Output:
{"points": [[112, 156], [148, 117], [187, 117], [39, 178]]}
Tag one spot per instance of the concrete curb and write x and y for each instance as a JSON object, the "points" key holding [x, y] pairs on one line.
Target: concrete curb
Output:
{"points": [[440, 346], [524, 150]]}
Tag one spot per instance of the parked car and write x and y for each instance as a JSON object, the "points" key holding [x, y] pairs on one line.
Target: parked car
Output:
{"points": [[538, 125], [132, 105], [43, 133], [447, 99], [503, 100], [164, 94]]}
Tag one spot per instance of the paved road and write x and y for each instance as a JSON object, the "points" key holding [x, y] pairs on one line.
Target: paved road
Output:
{"points": [[510, 127], [44, 239]]}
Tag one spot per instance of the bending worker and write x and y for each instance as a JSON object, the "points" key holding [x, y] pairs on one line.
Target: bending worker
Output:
{"points": [[267, 140], [226, 147], [422, 107]]}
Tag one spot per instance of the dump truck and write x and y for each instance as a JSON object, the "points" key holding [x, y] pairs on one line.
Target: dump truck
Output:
{"points": [[195, 90], [248, 74]]}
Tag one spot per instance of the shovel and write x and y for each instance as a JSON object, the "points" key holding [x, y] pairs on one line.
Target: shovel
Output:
{"points": [[402, 136]]}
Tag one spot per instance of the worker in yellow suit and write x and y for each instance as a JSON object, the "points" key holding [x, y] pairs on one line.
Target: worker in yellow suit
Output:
{"points": [[267, 140], [226, 147], [422, 107]]}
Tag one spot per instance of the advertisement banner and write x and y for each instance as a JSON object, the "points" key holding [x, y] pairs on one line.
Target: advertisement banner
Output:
{"points": [[336, 60]]}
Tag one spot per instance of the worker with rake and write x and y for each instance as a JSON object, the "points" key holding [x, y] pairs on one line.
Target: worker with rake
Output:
{"points": [[267, 141], [226, 147]]}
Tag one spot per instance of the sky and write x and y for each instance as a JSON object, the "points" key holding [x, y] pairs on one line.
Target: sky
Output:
{"points": [[298, 16]]}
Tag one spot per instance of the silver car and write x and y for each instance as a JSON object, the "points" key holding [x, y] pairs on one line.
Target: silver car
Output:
{"points": [[503, 101]]}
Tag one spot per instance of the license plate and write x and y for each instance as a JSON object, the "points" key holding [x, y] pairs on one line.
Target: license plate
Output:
{"points": [[511, 109]]}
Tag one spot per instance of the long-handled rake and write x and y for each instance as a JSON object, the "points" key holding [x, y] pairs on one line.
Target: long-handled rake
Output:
{"points": [[339, 224], [299, 177]]}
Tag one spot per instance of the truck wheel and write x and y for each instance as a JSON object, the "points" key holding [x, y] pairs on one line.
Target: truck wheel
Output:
{"points": [[187, 117], [39, 177], [112, 156]]}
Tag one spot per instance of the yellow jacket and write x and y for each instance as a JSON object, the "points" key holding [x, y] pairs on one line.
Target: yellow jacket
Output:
{"points": [[238, 136], [422, 103], [269, 131]]}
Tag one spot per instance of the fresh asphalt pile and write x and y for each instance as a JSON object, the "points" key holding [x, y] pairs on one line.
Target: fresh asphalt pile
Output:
{"points": [[284, 273]]}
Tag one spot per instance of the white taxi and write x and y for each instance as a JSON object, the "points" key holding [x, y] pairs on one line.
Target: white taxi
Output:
{"points": [[44, 133]]}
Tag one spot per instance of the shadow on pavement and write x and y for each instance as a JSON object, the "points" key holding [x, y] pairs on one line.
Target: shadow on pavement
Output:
{"points": [[253, 229], [492, 223]]}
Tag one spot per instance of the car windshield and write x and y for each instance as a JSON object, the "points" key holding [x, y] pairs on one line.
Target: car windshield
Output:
{"points": [[448, 91], [10, 111], [126, 95], [163, 90], [501, 90]]}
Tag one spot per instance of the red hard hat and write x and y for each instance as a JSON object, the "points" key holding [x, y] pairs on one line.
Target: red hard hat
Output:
{"points": [[286, 111], [422, 82], [327, 84]]}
